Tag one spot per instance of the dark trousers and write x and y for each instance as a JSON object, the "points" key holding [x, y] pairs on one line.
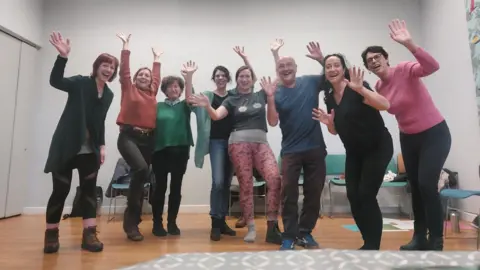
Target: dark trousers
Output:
{"points": [[313, 164], [136, 149], [364, 173], [87, 166], [170, 160], [424, 155]]}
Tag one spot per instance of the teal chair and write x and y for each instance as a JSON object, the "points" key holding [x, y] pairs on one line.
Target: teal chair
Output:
{"points": [[258, 182], [336, 167]]}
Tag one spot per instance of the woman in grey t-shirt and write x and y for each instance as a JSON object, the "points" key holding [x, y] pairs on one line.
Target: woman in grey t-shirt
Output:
{"points": [[248, 147]]}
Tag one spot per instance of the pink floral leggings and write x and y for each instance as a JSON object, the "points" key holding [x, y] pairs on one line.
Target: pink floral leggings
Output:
{"points": [[245, 156]]}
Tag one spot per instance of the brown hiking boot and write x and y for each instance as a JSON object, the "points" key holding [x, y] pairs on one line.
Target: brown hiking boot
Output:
{"points": [[51, 244], [241, 223], [134, 234], [90, 240]]}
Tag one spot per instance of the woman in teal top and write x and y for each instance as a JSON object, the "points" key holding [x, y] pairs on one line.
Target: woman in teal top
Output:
{"points": [[215, 143], [173, 139]]}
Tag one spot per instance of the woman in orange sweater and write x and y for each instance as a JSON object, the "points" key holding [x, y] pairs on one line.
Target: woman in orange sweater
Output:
{"points": [[138, 111]]}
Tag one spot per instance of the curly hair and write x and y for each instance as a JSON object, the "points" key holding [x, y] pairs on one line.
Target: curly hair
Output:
{"points": [[169, 80]]}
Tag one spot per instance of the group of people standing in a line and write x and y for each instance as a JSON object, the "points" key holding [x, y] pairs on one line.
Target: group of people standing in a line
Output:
{"points": [[232, 129]]}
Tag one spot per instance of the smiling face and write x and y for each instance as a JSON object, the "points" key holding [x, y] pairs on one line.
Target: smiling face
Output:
{"points": [[174, 91], [143, 79], [244, 80], [105, 71], [287, 70], [220, 78], [334, 69]]}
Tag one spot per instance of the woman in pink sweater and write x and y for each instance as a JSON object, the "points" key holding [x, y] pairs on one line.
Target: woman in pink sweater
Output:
{"points": [[424, 135]]}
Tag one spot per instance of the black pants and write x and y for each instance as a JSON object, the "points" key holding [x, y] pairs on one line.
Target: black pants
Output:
{"points": [[171, 160], [424, 155], [313, 164], [364, 173], [87, 166], [136, 149]]}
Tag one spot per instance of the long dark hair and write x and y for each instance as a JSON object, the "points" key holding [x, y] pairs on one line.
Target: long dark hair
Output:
{"points": [[325, 85]]}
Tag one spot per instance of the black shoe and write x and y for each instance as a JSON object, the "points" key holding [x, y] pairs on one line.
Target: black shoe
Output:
{"points": [[224, 229], [435, 243], [173, 229], [274, 235], [215, 232], [418, 242], [158, 230]]}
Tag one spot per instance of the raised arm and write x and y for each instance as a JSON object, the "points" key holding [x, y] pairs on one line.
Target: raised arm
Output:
{"points": [[274, 48], [241, 52], [124, 72], [156, 76], [57, 78], [315, 52], [426, 64], [370, 97], [187, 72], [201, 100], [270, 87]]}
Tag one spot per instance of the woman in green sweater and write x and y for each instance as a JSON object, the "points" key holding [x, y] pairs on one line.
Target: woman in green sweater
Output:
{"points": [[78, 141], [173, 139]]}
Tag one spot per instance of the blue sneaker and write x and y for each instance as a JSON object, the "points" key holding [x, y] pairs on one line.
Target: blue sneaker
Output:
{"points": [[307, 241], [287, 245]]}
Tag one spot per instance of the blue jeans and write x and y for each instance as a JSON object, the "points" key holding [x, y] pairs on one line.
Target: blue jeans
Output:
{"points": [[222, 173]]}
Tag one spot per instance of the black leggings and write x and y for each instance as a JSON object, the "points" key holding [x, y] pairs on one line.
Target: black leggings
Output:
{"points": [[171, 160], [364, 173], [136, 149], [87, 166], [424, 155]]}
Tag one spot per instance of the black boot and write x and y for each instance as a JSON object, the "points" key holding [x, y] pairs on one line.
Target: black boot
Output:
{"points": [[158, 229], [274, 235], [435, 243], [224, 229], [418, 242], [215, 232]]}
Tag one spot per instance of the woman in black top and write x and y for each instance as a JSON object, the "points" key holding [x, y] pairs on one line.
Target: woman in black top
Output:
{"points": [[354, 115], [78, 141]]}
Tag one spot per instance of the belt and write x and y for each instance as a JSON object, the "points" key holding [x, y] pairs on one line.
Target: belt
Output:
{"points": [[143, 131]]}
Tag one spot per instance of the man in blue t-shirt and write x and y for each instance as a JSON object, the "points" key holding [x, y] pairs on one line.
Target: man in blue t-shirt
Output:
{"points": [[303, 146]]}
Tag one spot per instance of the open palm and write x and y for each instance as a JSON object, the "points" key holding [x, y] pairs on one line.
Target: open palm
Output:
{"points": [[268, 86], [240, 51], [276, 45], [399, 31], [323, 117], [199, 100], [189, 68], [62, 45], [356, 79], [314, 50]]}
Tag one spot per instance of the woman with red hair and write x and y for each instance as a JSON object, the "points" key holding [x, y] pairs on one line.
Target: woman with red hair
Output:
{"points": [[78, 141]]}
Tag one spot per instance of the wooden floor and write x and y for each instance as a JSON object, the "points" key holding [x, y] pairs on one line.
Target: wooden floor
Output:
{"points": [[22, 242]]}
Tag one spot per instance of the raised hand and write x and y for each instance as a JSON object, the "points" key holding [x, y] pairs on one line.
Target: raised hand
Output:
{"points": [[315, 52], [62, 45], [125, 38], [323, 117], [399, 32], [156, 53], [276, 45], [268, 86], [240, 51], [356, 79], [189, 68], [198, 100]]}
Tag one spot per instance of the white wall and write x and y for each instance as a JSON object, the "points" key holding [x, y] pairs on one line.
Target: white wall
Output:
{"points": [[453, 87], [205, 32], [24, 18]]}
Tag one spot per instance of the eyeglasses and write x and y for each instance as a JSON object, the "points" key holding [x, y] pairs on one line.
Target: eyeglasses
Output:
{"points": [[376, 57]]}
